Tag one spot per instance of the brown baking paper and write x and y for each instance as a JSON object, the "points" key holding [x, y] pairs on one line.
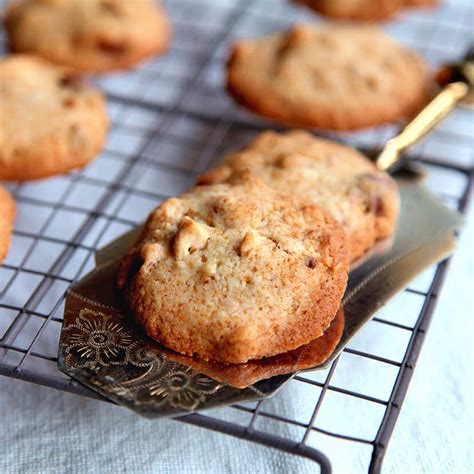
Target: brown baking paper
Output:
{"points": [[102, 348]]}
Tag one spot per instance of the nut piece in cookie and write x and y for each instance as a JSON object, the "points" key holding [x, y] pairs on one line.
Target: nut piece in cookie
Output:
{"points": [[88, 35], [364, 10], [7, 216], [55, 123], [335, 177], [223, 271], [336, 77]]}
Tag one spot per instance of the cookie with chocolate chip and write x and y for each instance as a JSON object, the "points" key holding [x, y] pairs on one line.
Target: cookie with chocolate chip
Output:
{"points": [[236, 271], [365, 10], [338, 178], [53, 123], [88, 35], [336, 77], [7, 216]]}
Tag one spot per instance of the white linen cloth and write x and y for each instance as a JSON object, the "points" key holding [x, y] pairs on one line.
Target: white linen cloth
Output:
{"points": [[46, 431]]}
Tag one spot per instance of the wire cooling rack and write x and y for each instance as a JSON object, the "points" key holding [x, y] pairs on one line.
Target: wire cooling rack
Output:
{"points": [[172, 119]]}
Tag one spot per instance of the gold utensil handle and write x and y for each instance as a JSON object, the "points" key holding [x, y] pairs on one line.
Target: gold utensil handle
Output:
{"points": [[430, 116]]}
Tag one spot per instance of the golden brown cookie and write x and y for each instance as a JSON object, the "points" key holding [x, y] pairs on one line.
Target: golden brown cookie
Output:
{"points": [[337, 77], [7, 216], [339, 179], [88, 35], [236, 271], [367, 10], [54, 123]]}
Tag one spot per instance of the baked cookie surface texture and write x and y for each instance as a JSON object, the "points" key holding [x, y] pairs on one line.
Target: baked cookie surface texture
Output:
{"points": [[50, 123], [336, 177], [337, 77], [88, 35], [236, 271], [7, 216]]}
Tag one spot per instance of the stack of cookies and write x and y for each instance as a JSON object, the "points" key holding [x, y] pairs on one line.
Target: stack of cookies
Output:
{"points": [[236, 271], [52, 122], [238, 268]]}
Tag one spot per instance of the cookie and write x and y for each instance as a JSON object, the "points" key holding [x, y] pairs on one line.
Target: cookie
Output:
{"points": [[88, 35], [7, 216], [306, 357], [236, 271], [337, 77], [55, 124], [338, 178], [367, 10]]}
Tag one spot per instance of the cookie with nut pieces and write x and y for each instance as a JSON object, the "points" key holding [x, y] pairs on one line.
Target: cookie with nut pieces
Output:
{"points": [[339, 77], [55, 123], [364, 10], [88, 35], [336, 177], [236, 271], [7, 216]]}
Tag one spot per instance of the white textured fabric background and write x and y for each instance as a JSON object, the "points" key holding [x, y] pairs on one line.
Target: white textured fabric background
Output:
{"points": [[45, 431]]}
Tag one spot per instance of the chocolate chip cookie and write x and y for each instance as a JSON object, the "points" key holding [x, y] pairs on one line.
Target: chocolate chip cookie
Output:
{"points": [[236, 271], [339, 179], [337, 77], [88, 35], [54, 124]]}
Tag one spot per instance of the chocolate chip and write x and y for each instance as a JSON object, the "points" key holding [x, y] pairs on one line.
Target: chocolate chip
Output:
{"points": [[110, 46], [378, 206], [70, 81], [311, 263]]}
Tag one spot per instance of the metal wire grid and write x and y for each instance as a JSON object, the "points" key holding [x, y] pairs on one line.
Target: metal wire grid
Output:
{"points": [[171, 120]]}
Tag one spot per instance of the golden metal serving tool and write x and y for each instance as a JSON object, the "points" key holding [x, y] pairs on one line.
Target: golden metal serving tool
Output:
{"points": [[458, 81]]}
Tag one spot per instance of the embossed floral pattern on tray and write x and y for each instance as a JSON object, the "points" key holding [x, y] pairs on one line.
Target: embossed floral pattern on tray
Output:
{"points": [[95, 339], [101, 350], [183, 388]]}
